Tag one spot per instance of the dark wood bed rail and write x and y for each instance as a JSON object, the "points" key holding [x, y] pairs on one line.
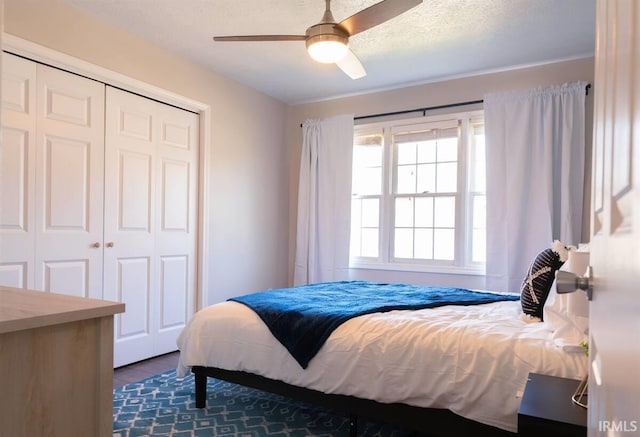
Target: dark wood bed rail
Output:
{"points": [[433, 421]]}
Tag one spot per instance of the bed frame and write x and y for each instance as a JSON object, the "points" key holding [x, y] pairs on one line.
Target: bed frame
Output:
{"points": [[435, 422]]}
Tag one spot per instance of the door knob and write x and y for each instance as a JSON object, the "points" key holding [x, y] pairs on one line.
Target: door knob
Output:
{"points": [[567, 282], [96, 245], [109, 244]]}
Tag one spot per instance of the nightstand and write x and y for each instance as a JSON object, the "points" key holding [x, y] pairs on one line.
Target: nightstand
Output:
{"points": [[546, 408]]}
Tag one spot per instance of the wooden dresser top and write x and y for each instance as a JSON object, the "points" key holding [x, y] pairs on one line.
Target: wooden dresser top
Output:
{"points": [[27, 309]]}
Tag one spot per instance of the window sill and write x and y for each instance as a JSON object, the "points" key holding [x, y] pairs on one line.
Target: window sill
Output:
{"points": [[420, 268]]}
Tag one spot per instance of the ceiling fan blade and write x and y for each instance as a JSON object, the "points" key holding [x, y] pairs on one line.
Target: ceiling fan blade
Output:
{"points": [[376, 14], [261, 38], [351, 65]]}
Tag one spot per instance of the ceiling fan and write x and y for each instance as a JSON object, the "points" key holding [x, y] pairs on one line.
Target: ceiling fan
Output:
{"points": [[328, 41]]}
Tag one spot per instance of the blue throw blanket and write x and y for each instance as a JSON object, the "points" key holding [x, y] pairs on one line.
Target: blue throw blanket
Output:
{"points": [[302, 318]]}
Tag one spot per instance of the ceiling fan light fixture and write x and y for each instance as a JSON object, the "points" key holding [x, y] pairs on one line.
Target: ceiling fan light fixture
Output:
{"points": [[327, 49], [328, 41]]}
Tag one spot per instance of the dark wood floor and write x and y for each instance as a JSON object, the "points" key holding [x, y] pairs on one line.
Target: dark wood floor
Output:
{"points": [[143, 369]]}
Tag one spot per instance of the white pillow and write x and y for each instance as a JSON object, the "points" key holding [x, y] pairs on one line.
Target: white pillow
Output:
{"points": [[567, 315]]}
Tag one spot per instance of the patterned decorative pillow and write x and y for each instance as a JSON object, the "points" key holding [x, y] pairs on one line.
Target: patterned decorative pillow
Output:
{"points": [[536, 285]]}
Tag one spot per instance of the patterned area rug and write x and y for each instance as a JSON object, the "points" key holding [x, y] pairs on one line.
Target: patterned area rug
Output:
{"points": [[164, 405]]}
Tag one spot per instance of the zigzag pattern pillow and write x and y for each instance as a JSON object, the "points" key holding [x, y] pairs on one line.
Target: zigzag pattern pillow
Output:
{"points": [[537, 284]]}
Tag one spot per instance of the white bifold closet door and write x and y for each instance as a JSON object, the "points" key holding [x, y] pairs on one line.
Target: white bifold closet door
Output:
{"points": [[69, 207], [52, 177], [98, 198], [17, 173], [150, 222]]}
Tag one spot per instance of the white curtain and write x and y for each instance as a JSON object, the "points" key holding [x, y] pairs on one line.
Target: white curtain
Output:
{"points": [[324, 201], [535, 150]]}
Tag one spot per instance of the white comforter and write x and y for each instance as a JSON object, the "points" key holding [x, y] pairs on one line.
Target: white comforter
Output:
{"points": [[472, 360]]}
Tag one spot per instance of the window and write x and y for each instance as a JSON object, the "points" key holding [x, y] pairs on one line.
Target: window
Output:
{"points": [[418, 194]]}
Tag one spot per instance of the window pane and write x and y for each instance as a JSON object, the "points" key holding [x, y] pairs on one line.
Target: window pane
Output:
{"points": [[403, 247], [367, 167], [447, 180], [426, 180], [424, 244], [424, 212], [443, 244], [427, 151], [367, 181], [447, 149], [364, 227], [445, 212], [406, 153], [368, 156], [406, 179], [369, 243], [404, 212], [370, 213]]}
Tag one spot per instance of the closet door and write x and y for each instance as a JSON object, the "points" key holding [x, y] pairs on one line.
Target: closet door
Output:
{"points": [[176, 222], [150, 222], [69, 189], [51, 180], [17, 172]]}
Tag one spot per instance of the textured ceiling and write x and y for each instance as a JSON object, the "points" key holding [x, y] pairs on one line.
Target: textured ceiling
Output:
{"points": [[437, 40]]}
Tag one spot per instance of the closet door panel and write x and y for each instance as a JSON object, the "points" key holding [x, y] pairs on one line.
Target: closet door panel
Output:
{"points": [[18, 82], [174, 289], [66, 185], [133, 288], [69, 206], [14, 176], [17, 172], [134, 193], [175, 196], [13, 274], [176, 221], [130, 263], [67, 277]]}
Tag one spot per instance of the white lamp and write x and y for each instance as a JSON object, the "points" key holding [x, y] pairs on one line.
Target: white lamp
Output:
{"points": [[574, 306], [327, 49], [326, 42], [577, 303], [568, 282]]}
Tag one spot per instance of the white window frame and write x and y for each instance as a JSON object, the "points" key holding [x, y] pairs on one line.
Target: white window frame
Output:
{"points": [[462, 263]]}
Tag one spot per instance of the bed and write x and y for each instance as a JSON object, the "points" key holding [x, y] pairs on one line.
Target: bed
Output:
{"points": [[448, 370]]}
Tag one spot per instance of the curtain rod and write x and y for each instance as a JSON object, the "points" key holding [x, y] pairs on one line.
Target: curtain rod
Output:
{"points": [[432, 108], [423, 110]]}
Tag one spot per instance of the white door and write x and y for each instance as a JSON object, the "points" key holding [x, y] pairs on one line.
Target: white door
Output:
{"points": [[614, 379], [51, 178], [176, 222], [150, 228], [17, 172], [69, 188]]}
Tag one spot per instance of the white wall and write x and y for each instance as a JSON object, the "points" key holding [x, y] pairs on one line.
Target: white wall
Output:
{"points": [[433, 94], [248, 168]]}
